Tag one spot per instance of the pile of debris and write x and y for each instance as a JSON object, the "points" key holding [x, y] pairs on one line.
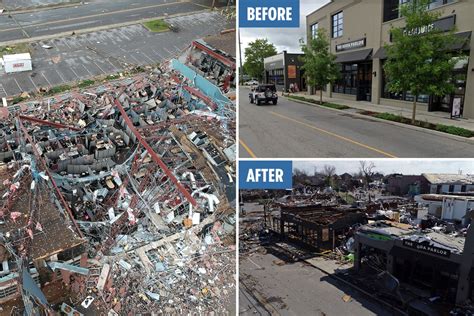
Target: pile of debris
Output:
{"points": [[137, 177]]}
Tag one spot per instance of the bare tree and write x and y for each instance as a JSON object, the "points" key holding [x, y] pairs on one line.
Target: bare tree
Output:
{"points": [[329, 172], [367, 171]]}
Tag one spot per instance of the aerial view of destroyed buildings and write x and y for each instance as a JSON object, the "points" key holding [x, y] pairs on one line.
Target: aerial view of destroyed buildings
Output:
{"points": [[118, 157], [360, 238]]}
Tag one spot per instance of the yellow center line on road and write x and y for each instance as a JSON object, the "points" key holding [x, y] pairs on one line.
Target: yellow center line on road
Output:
{"points": [[334, 135], [247, 148], [95, 15]]}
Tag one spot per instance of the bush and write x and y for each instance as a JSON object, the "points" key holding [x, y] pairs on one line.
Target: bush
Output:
{"points": [[157, 26], [58, 89], [86, 83], [454, 130], [313, 101]]}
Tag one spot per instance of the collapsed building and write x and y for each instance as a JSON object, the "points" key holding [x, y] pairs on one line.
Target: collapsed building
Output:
{"points": [[124, 193], [437, 263]]}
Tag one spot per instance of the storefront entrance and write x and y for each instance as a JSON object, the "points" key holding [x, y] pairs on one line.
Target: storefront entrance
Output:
{"points": [[364, 82]]}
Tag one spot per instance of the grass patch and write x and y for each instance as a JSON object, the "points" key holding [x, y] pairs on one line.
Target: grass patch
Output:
{"points": [[58, 89], [112, 77], [18, 99], [157, 26], [14, 49], [86, 83], [325, 104], [448, 129]]}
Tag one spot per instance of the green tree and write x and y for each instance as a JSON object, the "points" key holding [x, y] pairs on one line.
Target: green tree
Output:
{"points": [[319, 63], [257, 51], [419, 61]]}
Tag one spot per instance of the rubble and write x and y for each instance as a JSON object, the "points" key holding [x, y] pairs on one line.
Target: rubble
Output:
{"points": [[137, 179]]}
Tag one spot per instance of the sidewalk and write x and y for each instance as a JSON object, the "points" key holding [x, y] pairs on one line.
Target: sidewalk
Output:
{"points": [[405, 111]]}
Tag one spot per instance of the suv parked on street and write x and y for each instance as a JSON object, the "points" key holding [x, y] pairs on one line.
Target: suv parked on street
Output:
{"points": [[264, 93]]}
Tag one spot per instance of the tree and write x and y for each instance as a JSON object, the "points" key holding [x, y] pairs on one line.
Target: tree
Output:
{"points": [[257, 51], [419, 61], [329, 172], [366, 170], [319, 63]]}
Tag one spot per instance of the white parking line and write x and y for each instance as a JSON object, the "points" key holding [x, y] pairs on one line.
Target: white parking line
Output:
{"points": [[61, 77], [99, 67], [152, 61], [90, 74], [2, 90], [78, 77], [36, 87], [46, 79], [19, 87]]}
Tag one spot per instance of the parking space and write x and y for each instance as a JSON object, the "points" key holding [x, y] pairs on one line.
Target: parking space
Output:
{"points": [[73, 59]]}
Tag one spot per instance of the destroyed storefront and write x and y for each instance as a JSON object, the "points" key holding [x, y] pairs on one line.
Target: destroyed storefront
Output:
{"points": [[424, 267], [137, 178], [316, 226]]}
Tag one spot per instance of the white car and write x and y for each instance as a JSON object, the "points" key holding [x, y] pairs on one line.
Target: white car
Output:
{"points": [[251, 83]]}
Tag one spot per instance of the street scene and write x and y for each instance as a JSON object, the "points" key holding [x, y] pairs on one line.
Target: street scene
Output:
{"points": [[355, 237], [345, 86], [118, 158]]}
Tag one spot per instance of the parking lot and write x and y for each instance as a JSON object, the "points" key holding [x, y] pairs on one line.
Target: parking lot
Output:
{"points": [[76, 58]]}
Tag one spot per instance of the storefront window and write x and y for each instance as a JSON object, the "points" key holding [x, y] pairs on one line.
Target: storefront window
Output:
{"points": [[391, 7], [347, 82]]}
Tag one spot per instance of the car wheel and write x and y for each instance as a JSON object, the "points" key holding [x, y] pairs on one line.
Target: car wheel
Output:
{"points": [[251, 100], [258, 102], [275, 102]]}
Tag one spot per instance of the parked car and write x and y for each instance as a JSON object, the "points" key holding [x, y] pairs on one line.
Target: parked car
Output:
{"points": [[264, 93], [251, 83]]}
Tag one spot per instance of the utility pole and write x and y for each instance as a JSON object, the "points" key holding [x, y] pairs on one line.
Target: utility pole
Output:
{"points": [[240, 53]]}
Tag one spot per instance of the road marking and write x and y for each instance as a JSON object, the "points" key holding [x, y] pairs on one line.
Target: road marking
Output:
{"points": [[2, 89], [93, 16], [34, 84], [18, 85], [46, 79], [259, 267], [247, 148], [335, 135], [60, 76], [90, 74]]}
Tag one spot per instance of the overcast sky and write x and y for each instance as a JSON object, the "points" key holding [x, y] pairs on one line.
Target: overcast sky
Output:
{"points": [[411, 167], [284, 39]]}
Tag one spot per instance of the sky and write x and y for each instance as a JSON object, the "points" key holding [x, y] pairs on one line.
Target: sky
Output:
{"points": [[283, 39], [386, 166]]}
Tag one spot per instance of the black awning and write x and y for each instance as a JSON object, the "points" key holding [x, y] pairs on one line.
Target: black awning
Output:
{"points": [[408, 254], [381, 53], [359, 55], [463, 43]]}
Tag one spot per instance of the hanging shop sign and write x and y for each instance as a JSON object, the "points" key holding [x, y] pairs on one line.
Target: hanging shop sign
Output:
{"points": [[291, 72], [351, 45], [427, 248]]}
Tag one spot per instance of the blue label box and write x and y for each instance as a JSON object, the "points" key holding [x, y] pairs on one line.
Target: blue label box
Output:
{"points": [[269, 13], [269, 175]]}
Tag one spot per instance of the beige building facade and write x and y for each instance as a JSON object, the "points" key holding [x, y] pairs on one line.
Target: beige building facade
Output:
{"points": [[358, 31]]}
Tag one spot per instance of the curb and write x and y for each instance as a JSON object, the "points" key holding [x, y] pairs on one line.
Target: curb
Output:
{"points": [[95, 29], [417, 128]]}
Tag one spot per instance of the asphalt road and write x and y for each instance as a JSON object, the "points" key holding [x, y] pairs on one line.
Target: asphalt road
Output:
{"points": [[88, 15], [296, 289], [295, 130]]}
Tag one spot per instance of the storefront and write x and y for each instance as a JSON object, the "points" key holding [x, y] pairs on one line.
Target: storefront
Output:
{"points": [[358, 44], [284, 70]]}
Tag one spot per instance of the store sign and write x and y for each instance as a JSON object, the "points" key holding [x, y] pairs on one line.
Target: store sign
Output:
{"points": [[351, 45], [427, 248], [444, 25]]}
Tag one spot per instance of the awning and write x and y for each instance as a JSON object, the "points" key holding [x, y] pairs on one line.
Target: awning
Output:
{"points": [[462, 44], [412, 255], [381, 53], [359, 55]]}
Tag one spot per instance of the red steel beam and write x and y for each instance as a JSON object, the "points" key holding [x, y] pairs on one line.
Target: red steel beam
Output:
{"points": [[43, 122], [217, 56], [197, 93], [154, 155], [46, 169]]}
